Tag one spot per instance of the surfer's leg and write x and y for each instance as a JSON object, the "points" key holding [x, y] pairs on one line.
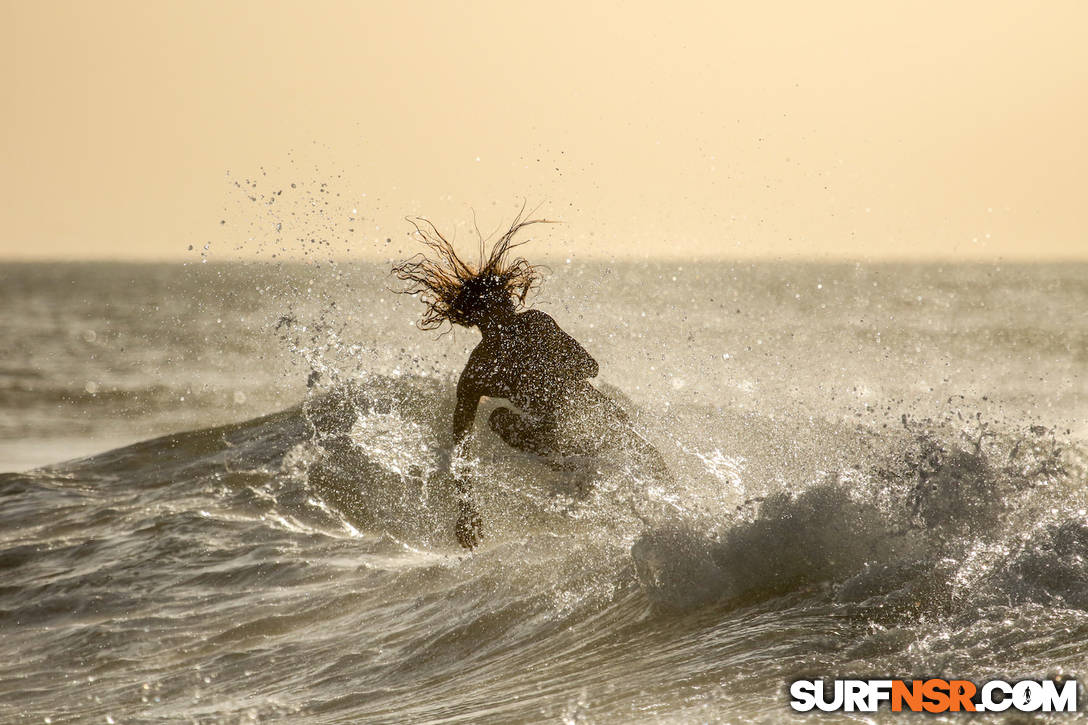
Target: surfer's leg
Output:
{"points": [[522, 432]]}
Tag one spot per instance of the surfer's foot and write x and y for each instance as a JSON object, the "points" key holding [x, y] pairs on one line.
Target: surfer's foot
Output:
{"points": [[469, 527]]}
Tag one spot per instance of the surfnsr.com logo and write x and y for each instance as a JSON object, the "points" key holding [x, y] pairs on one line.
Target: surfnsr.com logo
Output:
{"points": [[935, 695]]}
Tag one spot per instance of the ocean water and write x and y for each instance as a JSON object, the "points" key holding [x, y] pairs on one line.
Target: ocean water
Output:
{"points": [[221, 501]]}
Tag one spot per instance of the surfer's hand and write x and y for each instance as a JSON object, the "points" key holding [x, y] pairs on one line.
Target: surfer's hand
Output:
{"points": [[468, 526]]}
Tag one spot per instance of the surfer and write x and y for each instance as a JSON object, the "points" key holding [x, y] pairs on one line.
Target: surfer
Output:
{"points": [[523, 357]]}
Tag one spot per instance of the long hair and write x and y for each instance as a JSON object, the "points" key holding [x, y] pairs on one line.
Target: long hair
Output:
{"points": [[455, 291]]}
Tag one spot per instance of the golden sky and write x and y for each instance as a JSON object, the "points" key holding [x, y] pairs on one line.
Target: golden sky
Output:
{"points": [[817, 130]]}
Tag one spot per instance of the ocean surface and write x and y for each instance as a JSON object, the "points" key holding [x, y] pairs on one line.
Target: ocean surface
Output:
{"points": [[221, 503]]}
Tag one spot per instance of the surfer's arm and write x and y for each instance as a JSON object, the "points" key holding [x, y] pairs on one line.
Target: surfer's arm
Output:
{"points": [[468, 400], [587, 366], [464, 414], [468, 526], [580, 361], [575, 358]]}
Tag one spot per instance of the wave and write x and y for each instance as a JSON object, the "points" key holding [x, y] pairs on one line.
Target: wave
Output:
{"points": [[935, 508], [935, 524], [323, 535]]}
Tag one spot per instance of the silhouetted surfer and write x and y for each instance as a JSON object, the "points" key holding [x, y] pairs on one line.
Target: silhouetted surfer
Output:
{"points": [[524, 357]]}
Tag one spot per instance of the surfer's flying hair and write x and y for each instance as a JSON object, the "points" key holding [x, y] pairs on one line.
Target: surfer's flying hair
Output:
{"points": [[460, 293]]}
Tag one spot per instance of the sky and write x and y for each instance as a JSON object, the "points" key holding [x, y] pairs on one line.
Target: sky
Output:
{"points": [[838, 130]]}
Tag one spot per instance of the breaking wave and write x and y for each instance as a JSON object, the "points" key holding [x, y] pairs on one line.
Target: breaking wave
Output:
{"points": [[324, 533]]}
